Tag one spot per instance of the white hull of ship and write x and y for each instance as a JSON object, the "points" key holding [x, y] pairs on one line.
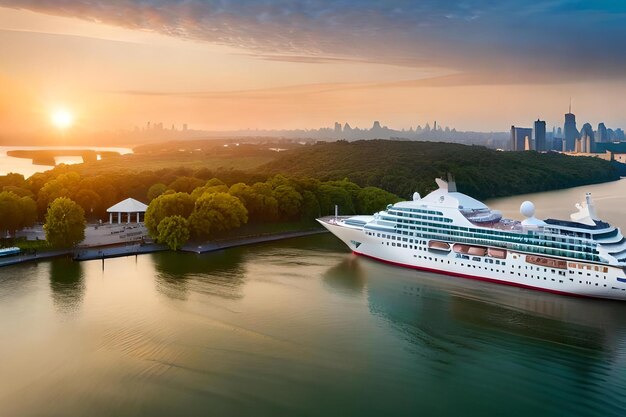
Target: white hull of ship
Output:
{"points": [[580, 278]]}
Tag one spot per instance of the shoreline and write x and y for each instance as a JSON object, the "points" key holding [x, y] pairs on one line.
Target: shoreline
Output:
{"points": [[95, 253]]}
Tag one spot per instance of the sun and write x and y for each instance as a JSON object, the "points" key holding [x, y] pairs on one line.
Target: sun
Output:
{"points": [[62, 118]]}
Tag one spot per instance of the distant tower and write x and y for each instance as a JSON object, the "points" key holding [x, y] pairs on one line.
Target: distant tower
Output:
{"points": [[602, 133], [184, 127], [587, 138], [435, 126], [570, 132], [540, 136], [338, 128], [518, 138]]}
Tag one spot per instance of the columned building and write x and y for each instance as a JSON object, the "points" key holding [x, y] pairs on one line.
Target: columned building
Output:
{"points": [[130, 210]]}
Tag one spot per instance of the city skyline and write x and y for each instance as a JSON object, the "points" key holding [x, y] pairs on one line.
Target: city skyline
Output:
{"points": [[289, 65]]}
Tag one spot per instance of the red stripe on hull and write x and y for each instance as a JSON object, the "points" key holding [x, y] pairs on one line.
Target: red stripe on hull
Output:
{"points": [[477, 278]]}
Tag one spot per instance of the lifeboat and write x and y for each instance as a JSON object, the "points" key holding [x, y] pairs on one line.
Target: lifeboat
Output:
{"points": [[438, 245], [470, 250], [546, 262], [497, 253], [459, 248], [477, 251]]}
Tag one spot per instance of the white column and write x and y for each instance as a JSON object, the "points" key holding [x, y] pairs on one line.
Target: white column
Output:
{"points": [[127, 217], [119, 218], [137, 217], [110, 218]]}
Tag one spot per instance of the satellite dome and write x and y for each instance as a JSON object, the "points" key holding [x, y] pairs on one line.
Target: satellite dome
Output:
{"points": [[527, 209]]}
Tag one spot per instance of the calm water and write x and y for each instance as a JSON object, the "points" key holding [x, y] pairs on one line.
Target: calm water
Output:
{"points": [[25, 166], [302, 327]]}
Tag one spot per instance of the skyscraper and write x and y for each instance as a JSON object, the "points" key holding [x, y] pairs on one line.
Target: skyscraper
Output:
{"points": [[570, 132], [587, 138], [602, 133], [540, 136], [519, 137]]}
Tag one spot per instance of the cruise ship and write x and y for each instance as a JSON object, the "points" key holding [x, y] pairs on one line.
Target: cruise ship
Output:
{"points": [[450, 233]]}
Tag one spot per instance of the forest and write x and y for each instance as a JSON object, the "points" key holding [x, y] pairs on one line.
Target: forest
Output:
{"points": [[298, 185], [183, 203], [403, 167]]}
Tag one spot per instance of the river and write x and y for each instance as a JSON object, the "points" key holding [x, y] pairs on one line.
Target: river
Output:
{"points": [[27, 168], [303, 327]]}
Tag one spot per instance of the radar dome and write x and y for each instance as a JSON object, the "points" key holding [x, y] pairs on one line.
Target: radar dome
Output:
{"points": [[527, 209]]}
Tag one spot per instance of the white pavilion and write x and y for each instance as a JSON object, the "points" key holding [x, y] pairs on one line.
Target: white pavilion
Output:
{"points": [[130, 207]]}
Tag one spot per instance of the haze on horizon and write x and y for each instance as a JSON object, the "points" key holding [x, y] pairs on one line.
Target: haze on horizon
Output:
{"points": [[224, 65]]}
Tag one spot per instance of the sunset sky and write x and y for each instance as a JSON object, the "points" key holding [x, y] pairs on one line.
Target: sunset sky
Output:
{"points": [[220, 65]]}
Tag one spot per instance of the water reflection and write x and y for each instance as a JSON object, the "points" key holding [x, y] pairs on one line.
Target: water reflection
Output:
{"points": [[346, 277], [67, 284], [217, 273], [415, 301]]}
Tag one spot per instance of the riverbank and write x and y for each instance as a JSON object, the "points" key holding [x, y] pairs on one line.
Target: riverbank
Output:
{"points": [[34, 257], [251, 240], [100, 252]]}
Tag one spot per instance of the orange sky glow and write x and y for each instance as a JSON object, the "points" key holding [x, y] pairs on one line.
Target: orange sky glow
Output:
{"points": [[113, 77]]}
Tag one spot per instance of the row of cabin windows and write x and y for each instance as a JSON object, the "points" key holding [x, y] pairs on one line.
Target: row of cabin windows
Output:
{"points": [[475, 258], [399, 211], [485, 268], [571, 244], [515, 246], [522, 247], [529, 238]]}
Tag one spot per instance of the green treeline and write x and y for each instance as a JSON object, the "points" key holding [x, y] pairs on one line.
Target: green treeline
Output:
{"points": [[183, 203], [403, 167], [297, 186]]}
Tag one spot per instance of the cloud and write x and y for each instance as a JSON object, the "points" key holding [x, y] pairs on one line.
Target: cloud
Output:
{"points": [[512, 41]]}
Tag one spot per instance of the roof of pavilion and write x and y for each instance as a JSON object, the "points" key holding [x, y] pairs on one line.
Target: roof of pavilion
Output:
{"points": [[130, 205]]}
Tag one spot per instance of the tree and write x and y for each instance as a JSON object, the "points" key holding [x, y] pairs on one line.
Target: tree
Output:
{"points": [[331, 195], [65, 185], [165, 205], [88, 200], [156, 190], [173, 231], [65, 223], [260, 205], [10, 212], [13, 180], [212, 186], [310, 206], [29, 212], [289, 201], [186, 184], [22, 192], [216, 212], [270, 204], [371, 200]]}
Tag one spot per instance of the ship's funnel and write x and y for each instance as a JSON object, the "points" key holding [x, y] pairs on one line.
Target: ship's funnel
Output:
{"points": [[451, 183], [586, 212], [591, 206]]}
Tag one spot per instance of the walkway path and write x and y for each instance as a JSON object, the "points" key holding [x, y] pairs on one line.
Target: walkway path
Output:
{"points": [[34, 257]]}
